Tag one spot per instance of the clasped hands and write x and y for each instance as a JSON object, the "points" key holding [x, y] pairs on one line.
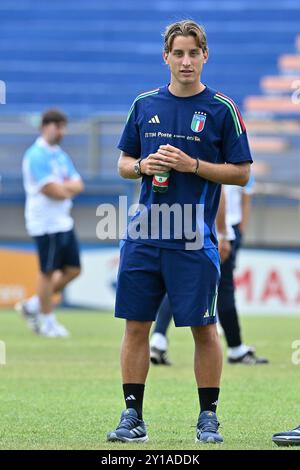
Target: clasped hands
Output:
{"points": [[167, 158]]}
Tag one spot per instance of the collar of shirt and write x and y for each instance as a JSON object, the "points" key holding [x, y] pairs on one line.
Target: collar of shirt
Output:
{"points": [[43, 143]]}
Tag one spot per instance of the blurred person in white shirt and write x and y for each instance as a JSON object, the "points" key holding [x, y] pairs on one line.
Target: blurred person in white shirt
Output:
{"points": [[50, 182]]}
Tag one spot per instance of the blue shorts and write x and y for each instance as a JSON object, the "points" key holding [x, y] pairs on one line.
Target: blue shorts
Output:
{"points": [[57, 250], [190, 278]]}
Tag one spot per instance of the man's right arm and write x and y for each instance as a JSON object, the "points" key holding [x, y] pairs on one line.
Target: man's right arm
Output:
{"points": [[56, 191], [126, 166], [149, 166], [61, 191], [40, 171]]}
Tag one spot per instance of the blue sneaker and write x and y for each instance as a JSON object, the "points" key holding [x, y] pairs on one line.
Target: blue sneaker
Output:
{"points": [[207, 428], [129, 429], [288, 438]]}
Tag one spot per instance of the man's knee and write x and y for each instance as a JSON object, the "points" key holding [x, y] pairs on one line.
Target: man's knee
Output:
{"points": [[46, 276], [138, 329], [205, 334], [72, 272]]}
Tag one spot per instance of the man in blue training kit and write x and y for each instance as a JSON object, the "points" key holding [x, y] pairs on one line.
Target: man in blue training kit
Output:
{"points": [[185, 140]]}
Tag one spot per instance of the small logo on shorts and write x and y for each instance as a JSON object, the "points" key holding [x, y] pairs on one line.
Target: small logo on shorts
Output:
{"points": [[206, 315]]}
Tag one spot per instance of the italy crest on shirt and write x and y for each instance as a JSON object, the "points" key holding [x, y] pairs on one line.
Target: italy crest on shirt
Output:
{"points": [[198, 121]]}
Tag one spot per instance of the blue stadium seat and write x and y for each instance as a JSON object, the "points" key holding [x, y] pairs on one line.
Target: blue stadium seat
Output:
{"points": [[92, 56], [75, 55]]}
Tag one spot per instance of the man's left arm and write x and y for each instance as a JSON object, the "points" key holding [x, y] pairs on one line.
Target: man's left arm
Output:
{"points": [[235, 154], [225, 173], [73, 183], [222, 173], [74, 186]]}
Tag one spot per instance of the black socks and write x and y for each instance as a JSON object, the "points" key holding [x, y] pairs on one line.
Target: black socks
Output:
{"points": [[134, 395], [208, 398]]}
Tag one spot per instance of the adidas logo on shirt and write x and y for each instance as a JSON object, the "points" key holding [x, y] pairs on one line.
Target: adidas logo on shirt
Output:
{"points": [[154, 120]]}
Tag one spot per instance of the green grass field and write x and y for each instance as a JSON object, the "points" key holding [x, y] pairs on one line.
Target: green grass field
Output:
{"points": [[66, 393]]}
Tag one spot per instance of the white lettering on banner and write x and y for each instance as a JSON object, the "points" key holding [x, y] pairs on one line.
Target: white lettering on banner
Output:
{"points": [[9, 293]]}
